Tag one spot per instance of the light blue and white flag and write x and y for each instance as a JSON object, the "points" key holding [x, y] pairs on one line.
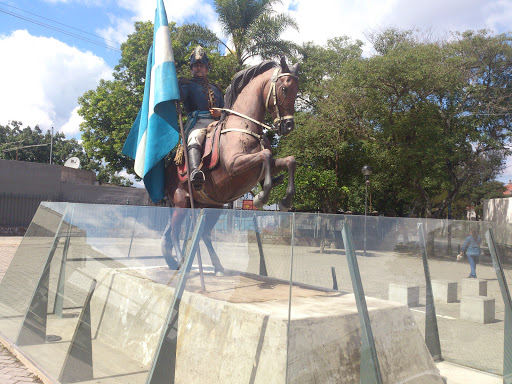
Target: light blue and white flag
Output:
{"points": [[155, 131]]}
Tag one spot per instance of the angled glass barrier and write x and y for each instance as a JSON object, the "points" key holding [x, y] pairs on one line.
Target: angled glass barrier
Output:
{"points": [[93, 294], [420, 312]]}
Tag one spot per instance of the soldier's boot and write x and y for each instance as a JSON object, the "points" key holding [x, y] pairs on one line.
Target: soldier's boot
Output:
{"points": [[194, 159]]}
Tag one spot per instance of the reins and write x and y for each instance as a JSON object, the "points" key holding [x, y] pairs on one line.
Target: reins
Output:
{"points": [[272, 91]]}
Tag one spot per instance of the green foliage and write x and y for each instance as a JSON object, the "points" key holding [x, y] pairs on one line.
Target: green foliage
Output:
{"points": [[33, 145], [254, 28], [431, 118]]}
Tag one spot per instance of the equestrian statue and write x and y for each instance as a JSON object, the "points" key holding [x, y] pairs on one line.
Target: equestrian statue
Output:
{"points": [[228, 157]]}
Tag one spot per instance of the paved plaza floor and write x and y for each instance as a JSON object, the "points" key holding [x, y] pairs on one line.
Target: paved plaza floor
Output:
{"points": [[312, 267], [12, 371]]}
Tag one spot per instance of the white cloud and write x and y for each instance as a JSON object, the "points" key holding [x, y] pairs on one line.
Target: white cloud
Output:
{"points": [[178, 11], [85, 2], [129, 176], [44, 78], [72, 126], [324, 19], [118, 31]]}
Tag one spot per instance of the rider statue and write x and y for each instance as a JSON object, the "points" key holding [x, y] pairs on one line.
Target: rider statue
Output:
{"points": [[199, 97]]}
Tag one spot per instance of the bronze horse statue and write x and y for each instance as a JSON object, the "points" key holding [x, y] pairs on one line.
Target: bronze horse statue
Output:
{"points": [[245, 156]]}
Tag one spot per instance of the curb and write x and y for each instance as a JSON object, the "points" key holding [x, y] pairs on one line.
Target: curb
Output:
{"points": [[30, 364]]}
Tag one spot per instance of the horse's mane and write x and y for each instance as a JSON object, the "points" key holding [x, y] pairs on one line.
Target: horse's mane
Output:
{"points": [[241, 79]]}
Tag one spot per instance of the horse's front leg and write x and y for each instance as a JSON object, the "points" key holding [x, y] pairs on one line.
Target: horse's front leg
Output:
{"points": [[280, 165], [169, 242], [244, 163], [210, 221]]}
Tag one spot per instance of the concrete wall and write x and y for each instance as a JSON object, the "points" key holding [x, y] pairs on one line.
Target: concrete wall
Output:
{"points": [[23, 185], [499, 211]]}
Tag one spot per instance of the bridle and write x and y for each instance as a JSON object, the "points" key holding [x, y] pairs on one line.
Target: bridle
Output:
{"points": [[273, 92]]}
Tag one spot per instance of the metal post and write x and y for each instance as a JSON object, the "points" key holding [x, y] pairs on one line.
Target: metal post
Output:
{"points": [[505, 293], [189, 184], [263, 265], [51, 147], [59, 295], [431, 329], [365, 212], [290, 299], [162, 369], [369, 365], [334, 279], [133, 230]]}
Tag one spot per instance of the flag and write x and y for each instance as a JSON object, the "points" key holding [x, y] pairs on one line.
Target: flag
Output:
{"points": [[155, 131]]}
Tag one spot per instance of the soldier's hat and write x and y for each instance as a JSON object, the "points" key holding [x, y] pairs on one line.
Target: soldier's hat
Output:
{"points": [[199, 56]]}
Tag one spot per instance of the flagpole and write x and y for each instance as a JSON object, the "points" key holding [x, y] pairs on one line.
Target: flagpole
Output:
{"points": [[189, 183]]}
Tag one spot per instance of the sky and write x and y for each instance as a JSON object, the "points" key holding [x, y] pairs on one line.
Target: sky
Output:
{"points": [[52, 51]]}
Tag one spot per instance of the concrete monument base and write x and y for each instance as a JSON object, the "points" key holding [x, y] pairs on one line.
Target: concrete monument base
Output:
{"points": [[237, 331]]}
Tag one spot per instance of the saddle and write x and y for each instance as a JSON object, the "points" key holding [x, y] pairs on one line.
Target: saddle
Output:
{"points": [[211, 151]]}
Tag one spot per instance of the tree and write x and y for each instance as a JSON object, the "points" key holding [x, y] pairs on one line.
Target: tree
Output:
{"points": [[428, 116], [254, 28], [33, 145], [110, 110], [326, 152]]}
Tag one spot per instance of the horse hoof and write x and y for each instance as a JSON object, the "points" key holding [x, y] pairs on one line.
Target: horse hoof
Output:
{"points": [[283, 208], [220, 274], [172, 264]]}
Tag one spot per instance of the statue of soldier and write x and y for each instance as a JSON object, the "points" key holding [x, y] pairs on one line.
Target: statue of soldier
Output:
{"points": [[199, 97]]}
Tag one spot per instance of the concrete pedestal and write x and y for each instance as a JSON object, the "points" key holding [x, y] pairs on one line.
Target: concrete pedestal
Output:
{"points": [[474, 287], [479, 309], [236, 332], [405, 294], [445, 291]]}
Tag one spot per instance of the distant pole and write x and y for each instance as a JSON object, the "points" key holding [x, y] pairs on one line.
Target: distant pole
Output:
{"points": [[367, 171], [51, 147]]}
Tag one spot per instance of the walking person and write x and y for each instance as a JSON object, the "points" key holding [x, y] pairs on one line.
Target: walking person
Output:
{"points": [[471, 248]]}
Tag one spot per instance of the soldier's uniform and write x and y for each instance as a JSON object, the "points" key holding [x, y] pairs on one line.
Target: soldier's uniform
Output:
{"points": [[198, 97]]}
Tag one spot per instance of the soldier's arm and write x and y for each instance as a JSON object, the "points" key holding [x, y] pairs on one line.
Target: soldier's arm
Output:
{"points": [[183, 85]]}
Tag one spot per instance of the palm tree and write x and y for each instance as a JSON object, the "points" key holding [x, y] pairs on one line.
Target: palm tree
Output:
{"points": [[254, 28]]}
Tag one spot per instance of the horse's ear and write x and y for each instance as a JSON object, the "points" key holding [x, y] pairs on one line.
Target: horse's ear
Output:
{"points": [[295, 69], [284, 66]]}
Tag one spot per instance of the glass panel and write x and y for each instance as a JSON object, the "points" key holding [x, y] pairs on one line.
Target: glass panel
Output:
{"points": [[89, 292], [320, 292], [467, 337], [104, 289], [24, 272], [234, 329], [393, 278]]}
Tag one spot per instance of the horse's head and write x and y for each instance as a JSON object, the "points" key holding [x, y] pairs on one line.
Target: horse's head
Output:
{"points": [[281, 97]]}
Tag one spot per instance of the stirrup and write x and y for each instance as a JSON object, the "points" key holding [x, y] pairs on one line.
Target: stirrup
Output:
{"points": [[197, 179]]}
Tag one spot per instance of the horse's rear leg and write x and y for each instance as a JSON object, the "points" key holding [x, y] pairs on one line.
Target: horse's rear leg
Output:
{"points": [[211, 219], [280, 165], [167, 243]]}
